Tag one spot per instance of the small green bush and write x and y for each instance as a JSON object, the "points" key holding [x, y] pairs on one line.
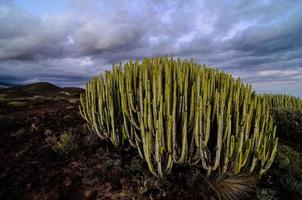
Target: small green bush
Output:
{"points": [[74, 101], [17, 104], [3, 96], [18, 133], [65, 144], [288, 162], [287, 172], [289, 125], [37, 98], [291, 185], [266, 194]]}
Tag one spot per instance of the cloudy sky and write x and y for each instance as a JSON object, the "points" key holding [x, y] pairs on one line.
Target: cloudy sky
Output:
{"points": [[66, 42]]}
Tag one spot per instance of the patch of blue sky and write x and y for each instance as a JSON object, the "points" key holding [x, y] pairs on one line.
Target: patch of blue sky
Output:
{"points": [[41, 7]]}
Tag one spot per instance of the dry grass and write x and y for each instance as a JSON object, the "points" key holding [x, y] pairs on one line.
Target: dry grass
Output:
{"points": [[232, 188], [17, 104]]}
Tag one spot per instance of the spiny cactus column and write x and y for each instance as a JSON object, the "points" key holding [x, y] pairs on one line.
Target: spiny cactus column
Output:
{"points": [[103, 114], [282, 101], [178, 112]]}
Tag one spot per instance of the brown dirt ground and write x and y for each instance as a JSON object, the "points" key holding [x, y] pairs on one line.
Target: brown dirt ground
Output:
{"points": [[31, 169]]}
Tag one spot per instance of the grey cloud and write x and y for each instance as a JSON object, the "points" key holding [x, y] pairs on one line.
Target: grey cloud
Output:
{"points": [[97, 35], [241, 37], [24, 36], [268, 39]]}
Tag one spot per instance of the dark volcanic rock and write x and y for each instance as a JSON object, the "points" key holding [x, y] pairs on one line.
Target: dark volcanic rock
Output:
{"points": [[41, 89]]}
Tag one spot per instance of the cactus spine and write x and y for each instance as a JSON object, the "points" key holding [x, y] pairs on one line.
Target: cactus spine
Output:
{"points": [[178, 112]]}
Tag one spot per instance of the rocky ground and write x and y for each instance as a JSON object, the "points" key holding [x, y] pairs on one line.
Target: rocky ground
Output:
{"points": [[46, 152]]}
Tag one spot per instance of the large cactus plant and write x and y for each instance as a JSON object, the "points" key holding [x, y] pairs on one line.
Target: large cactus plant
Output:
{"points": [[179, 112], [276, 101]]}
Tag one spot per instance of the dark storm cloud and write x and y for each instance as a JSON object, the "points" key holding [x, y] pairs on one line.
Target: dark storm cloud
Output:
{"points": [[257, 40]]}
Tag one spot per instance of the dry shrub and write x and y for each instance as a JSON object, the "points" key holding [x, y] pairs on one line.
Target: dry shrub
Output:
{"points": [[64, 144], [232, 188]]}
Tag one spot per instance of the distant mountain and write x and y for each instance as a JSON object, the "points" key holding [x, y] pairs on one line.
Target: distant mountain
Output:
{"points": [[40, 88], [7, 85]]}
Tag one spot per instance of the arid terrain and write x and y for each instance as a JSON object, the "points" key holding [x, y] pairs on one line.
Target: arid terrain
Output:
{"points": [[46, 152]]}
